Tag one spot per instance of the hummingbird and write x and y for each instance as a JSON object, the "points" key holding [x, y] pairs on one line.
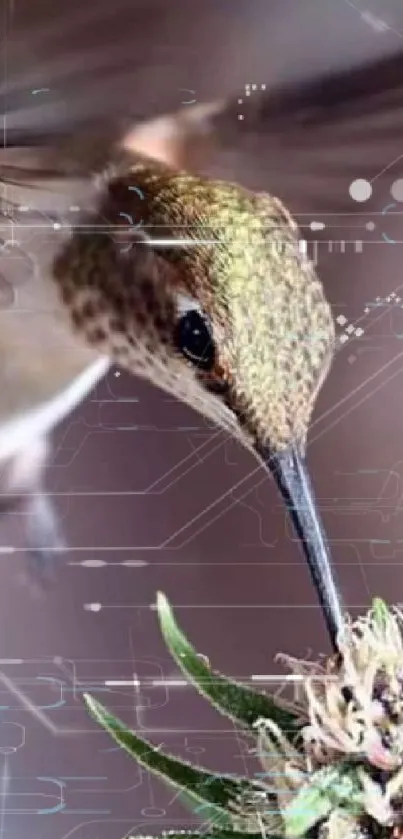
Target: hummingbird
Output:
{"points": [[119, 249], [195, 283]]}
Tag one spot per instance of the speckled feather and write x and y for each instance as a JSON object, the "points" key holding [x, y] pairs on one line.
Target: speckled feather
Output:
{"points": [[272, 325]]}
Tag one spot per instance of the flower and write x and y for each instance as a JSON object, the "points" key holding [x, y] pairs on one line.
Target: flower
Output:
{"points": [[332, 757]]}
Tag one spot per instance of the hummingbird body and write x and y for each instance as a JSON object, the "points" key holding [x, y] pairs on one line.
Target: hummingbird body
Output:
{"points": [[45, 369], [45, 372]]}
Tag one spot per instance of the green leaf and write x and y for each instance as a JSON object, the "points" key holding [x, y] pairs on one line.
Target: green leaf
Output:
{"points": [[238, 702], [328, 788], [220, 798], [380, 612]]}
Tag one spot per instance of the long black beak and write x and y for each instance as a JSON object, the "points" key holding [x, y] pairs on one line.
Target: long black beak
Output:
{"points": [[292, 478]]}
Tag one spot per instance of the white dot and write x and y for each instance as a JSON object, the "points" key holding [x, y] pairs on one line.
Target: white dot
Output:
{"points": [[93, 607], [341, 319], [56, 226], [359, 332], [360, 190], [117, 373], [240, 116], [370, 225], [397, 190]]}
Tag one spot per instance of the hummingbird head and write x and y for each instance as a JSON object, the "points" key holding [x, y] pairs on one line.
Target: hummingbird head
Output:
{"points": [[199, 286]]}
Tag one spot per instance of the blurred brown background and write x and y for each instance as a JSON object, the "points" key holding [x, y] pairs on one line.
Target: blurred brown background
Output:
{"points": [[146, 487]]}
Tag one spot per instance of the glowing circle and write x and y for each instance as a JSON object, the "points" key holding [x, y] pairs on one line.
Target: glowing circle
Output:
{"points": [[187, 101], [136, 189], [370, 225], [384, 235], [360, 190], [396, 189]]}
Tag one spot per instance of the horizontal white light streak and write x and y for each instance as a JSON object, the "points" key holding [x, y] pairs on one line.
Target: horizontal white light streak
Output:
{"points": [[289, 677]]}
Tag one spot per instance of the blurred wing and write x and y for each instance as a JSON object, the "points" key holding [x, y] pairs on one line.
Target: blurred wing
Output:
{"points": [[307, 143], [305, 139], [64, 62]]}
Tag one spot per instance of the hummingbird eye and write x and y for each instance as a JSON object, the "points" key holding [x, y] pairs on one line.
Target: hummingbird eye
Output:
{"points": [[194, 339]]}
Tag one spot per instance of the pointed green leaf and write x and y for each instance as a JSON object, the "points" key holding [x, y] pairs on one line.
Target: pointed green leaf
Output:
{"points": [[238, 702], [216, 796], [328, 788]]}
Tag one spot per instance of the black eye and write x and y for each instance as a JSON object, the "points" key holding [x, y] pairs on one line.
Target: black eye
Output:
{"points": [[193, 338]]}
